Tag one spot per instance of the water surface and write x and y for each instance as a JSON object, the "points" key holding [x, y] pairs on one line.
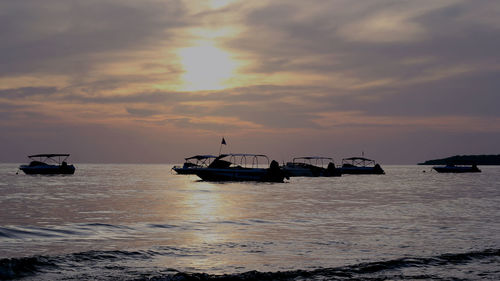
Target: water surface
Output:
{"points": [[141, 222]]}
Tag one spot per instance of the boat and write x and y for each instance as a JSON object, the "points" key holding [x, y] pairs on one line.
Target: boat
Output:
{"points": [[40, 165], [311, 166], [452, 168], [241, 167], [197, 161], [360, 166]]}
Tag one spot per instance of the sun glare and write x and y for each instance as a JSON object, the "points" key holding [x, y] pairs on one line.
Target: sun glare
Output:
{"points": [[216, 4], [206, 67]]}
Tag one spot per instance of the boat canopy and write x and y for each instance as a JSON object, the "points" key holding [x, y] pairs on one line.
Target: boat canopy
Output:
{"points": [[358, 158], [52, 157], [200, 157], [358, 161], [318, 160], [242, 154], [48, 155], [312, 158], [241, 158]]}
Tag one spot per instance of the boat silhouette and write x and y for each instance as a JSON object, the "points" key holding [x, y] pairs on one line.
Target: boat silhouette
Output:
{"points": [[40, 165]]}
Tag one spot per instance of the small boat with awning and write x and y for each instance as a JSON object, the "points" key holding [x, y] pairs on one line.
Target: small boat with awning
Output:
{"points": [[241, 167], [48, 164], [361, 166], [312, 166]]}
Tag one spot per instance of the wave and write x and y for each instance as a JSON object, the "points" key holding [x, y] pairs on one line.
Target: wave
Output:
{"points": [[15, 268], [363, 271], [65, 231]]}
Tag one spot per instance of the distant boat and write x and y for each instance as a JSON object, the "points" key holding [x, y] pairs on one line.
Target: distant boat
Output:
{"points": [[197, 161], [241, 167], [311, 166], [40, 165], [451, 168], [360, 165]]}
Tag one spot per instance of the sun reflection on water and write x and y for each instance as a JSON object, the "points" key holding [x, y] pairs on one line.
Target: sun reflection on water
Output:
{"points": [[214, 208], [205, 201]]}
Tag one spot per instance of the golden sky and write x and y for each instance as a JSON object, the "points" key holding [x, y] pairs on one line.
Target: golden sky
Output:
{"points": [[157, 81]]}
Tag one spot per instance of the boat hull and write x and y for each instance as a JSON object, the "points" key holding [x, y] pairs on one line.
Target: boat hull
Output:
{"points": [[184, 171], [456, 169], [362, 171], [48, 170], [293, 170], [299, 172], [239, 174]]}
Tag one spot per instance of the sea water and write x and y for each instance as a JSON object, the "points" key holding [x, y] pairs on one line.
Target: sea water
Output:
{"points": [[143, 222]]}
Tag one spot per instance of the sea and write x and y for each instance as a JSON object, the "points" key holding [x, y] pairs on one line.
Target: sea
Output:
{"points": [[144, 222]]}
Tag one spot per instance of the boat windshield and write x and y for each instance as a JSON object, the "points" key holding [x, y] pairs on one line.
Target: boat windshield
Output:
{"points": [[200, 160]]}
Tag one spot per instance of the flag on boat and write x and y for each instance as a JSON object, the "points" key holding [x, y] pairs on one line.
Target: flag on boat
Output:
{"points": [[223, 141]]}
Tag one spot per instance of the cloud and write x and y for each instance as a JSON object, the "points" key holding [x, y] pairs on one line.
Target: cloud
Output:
{"points": [[354, 71], [395, 22], [54, 36], [365, 41], [142, 112], [27, 92], [466, 95]]}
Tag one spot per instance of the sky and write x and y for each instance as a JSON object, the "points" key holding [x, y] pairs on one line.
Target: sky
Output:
{"points": [[155, 81]]}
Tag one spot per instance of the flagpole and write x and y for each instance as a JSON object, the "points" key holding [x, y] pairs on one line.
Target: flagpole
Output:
{"points": [[223, 142]]}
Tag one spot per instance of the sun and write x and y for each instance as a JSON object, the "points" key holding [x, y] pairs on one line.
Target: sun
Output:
{"points": [[206, 67], [216, 4]]}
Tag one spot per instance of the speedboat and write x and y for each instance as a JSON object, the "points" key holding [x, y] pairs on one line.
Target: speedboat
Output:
{"points": [[451, 168], [360, 165], [241, 167], [40, 165], [197, 161], [311, 166]]}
